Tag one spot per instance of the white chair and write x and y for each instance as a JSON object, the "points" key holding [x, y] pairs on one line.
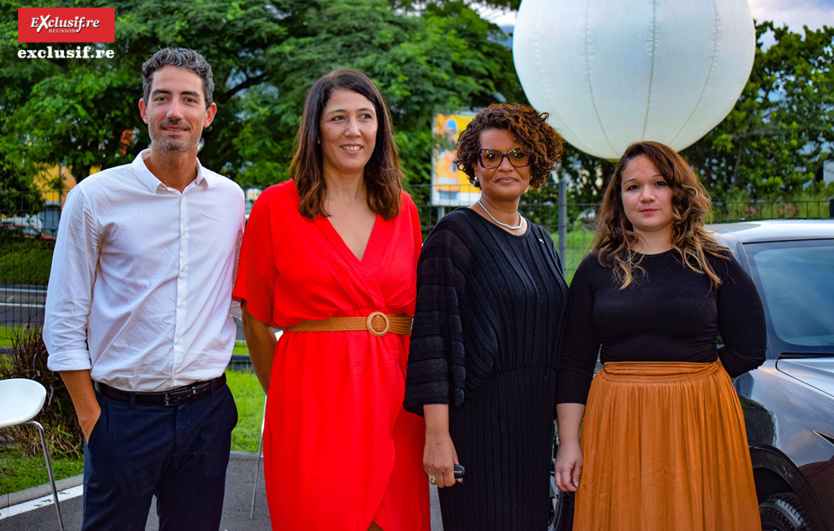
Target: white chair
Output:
{"points": [[20, 401]]}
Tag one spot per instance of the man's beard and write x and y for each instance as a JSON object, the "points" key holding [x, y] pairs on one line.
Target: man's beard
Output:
{"points": [[172, 145]]}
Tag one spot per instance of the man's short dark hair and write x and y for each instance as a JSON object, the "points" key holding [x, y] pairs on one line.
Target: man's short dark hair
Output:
{"points": [[182, 58]]}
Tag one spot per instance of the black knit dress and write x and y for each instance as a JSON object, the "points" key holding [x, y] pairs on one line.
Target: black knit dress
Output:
{"points": [[487, 330]]}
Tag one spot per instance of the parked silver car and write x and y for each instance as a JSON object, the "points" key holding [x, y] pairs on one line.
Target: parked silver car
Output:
{"points": [[789, 401]]}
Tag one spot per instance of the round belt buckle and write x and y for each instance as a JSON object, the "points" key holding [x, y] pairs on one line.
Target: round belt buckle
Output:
{"points": [[370, 324]]}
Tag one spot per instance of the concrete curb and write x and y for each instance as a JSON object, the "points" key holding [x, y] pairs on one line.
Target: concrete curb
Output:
{"points": [[33, 493]]}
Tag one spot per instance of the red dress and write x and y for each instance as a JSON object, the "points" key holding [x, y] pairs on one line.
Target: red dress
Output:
{"points": [[339, 450]]}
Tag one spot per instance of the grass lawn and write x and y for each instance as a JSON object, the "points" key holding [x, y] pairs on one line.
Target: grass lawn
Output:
{"points": [[6, 335], [240, 348], [20, 471], [578, 244], [249, 397]]}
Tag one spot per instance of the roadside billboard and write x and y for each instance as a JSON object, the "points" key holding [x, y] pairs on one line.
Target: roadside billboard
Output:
{"points": [[450, 186]]}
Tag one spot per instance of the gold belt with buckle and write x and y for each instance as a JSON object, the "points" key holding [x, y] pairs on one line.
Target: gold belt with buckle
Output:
{"points": [[376, 323]]}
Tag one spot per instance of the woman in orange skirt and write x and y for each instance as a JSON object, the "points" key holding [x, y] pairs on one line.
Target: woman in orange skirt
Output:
{"points": [[663, 441]]}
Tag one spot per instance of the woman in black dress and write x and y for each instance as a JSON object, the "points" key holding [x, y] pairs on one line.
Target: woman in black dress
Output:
{"points": [[663, 440], [491, 300]]}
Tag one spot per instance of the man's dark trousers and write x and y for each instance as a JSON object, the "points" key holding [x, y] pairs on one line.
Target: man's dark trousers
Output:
{"points": [[178, 453]]}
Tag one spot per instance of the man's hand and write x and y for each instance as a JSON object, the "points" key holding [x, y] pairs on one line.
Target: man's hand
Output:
{"points": [[88, 422], [87, 408]]}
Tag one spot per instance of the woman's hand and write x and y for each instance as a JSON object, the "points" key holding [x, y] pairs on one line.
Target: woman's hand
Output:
{"points": [[439, 455], [568, 467], [439, 458], [569, 459]]}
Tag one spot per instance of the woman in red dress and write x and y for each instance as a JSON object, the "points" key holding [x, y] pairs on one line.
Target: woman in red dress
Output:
{"points": [[330, 257]]}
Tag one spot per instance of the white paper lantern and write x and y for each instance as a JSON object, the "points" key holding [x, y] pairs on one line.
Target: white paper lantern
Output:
{"points": [[611, 72]]}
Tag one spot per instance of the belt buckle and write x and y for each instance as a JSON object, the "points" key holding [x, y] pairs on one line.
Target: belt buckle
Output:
{"points": [[370, 325], [172, 398]]}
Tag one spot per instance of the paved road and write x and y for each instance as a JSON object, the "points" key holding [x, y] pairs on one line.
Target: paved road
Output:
{"points": [[20, 305], [22, 293], [239, 482]]}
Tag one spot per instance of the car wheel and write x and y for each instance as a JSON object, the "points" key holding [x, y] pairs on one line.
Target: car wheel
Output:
{"points": [[783, 512]]}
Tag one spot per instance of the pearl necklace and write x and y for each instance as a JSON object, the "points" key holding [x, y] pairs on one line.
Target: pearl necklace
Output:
{"points": [[520, 219]]}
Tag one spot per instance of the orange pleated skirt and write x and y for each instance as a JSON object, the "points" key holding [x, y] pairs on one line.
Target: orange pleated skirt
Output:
{"points": [[665, 449]]}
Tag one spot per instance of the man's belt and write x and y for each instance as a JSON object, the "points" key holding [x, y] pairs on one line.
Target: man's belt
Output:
{"points": [[174, 397]]}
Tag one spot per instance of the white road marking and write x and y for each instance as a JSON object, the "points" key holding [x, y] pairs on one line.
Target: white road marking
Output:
{"points": [[31, 505], [21, 305]]}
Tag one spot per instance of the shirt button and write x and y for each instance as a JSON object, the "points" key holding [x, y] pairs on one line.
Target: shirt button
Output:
{"points": [[178, 341], [184, 269], [180, 305]]}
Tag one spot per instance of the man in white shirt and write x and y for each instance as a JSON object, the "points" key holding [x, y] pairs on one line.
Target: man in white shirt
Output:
{"points": [[138, 314]]}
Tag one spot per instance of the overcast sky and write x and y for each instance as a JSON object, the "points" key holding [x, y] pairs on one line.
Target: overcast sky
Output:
{"points": [[794, 13]]}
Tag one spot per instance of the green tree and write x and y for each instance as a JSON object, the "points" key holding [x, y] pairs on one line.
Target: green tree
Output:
{"points": [[588, 175], [438, 61], [265, 56], [416, 5], [75, 111], [17, 196], [781, 130]]}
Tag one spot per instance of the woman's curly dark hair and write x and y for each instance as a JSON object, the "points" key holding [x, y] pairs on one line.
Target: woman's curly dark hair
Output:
{"points": [[526, 125], [615, 237]]}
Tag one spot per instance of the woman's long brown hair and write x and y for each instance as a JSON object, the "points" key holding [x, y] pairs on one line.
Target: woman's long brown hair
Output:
{"points": [[615, 238], [383, 176]]}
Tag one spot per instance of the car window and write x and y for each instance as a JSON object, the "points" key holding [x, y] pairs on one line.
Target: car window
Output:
{"points": [[796, 280]]}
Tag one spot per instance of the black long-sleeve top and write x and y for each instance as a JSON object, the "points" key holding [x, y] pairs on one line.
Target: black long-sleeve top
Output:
{"points": [[488, 302], [670, 313]]}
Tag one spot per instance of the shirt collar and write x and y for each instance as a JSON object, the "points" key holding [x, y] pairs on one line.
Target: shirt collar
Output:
{"points": [[152, 183]]}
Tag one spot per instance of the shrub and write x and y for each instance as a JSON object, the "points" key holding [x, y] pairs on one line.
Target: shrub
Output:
{"points": [[26, 261], [28, 360]]}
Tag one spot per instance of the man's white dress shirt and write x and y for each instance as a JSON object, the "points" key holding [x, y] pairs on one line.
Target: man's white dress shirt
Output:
{"points": [[142, 275]]}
